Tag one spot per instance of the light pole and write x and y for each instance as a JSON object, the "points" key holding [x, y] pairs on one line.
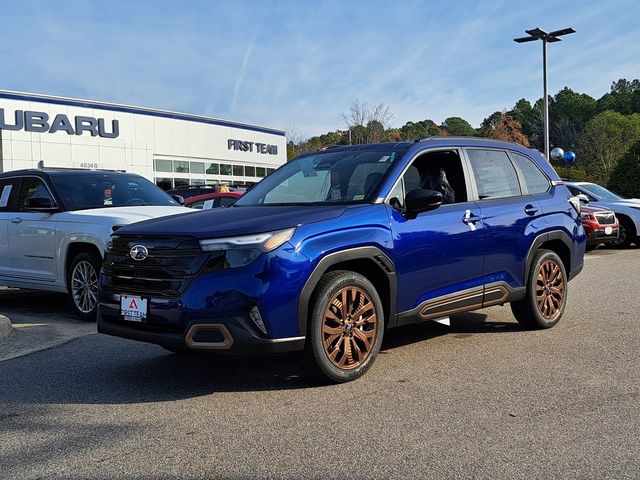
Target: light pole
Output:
{"points": [[538, 34]]}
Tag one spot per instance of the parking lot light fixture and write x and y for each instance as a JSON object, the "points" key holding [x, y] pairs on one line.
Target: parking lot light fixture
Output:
{"points": [[552, 37]]}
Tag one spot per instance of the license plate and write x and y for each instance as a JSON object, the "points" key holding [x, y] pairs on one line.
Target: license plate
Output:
{"points": [[608, 230], [133, 308]]}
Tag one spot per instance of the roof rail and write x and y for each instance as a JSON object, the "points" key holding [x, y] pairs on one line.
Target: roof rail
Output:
{"points": [[452, 137]]}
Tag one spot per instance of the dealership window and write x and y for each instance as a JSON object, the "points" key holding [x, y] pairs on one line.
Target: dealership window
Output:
{"points": [[225, 169], [238, 170], [181, 182], [260, 172], [210, 181], [164, 183], [213, 169], [180, 166], [197, 181], [197, 167], [163, 165], [250, 171], [270, 171]]}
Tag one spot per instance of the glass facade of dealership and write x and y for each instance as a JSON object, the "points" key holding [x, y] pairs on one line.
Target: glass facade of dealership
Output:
{"points": [[172, 149]]}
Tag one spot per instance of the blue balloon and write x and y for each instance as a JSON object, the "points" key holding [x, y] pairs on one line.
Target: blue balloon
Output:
{"points": [[569, 158]]}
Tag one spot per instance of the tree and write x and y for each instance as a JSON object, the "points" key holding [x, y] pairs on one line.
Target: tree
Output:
{"points": [[458, 126], [294, 139], [366, 122], [530, 118], [605, 139], [624, 97], [412, 131], [489, 124], [625, 178], [509, 130], [569, 112]]}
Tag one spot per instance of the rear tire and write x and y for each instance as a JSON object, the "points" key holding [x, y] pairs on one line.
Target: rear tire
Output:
{"points": [[546, 295], [345, 328], [83, 284]]}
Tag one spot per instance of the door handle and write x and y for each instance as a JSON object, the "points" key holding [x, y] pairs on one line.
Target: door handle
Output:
{"points": [[530, 210], [470, 219], [16, 220]]}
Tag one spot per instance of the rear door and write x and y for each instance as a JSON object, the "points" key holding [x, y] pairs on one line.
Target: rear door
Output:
{"points": [[32, 236], [512, 218]]}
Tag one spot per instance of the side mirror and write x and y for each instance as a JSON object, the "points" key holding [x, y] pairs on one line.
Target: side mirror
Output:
{"points": [[418, 201], [178, 198], [39, 204], [583, 198]]}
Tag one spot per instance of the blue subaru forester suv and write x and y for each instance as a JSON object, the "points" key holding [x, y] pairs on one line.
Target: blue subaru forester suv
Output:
{"points": [[339, 245]]}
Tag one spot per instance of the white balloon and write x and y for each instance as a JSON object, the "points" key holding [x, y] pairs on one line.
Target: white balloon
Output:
{"points": [[557, 154]]}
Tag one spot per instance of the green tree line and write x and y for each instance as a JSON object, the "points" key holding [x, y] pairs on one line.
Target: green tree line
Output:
{"points": [[604, 133]]}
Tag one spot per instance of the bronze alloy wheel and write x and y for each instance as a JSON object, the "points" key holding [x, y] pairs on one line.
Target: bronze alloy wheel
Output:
{"points": [[349, 327], [550, 289]]}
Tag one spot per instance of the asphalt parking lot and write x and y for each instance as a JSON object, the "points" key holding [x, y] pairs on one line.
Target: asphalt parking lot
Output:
{"points": [[482, 398]]}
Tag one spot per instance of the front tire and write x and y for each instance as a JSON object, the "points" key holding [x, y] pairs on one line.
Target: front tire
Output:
{"points": [[546, 295], [345, 328], [83, 284], [627, 234]]}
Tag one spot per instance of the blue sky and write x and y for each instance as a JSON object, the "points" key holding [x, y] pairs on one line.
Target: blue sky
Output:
{"points": [[302, 63]]}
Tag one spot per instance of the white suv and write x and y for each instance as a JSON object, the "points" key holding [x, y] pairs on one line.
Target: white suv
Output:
{"points": [[54, 225]]}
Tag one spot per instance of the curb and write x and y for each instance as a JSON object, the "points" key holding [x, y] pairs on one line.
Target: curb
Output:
{"points": [[5, 327]]}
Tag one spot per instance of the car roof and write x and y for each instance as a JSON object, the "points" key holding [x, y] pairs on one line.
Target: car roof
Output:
{"points": [[209, 196], [61, 172], [429, 141]]}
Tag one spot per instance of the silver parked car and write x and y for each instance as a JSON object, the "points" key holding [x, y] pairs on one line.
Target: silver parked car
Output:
{"points": [[627, 210]]}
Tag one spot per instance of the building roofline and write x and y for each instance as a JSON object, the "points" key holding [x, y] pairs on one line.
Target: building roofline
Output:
{"points": [[116, 107]]}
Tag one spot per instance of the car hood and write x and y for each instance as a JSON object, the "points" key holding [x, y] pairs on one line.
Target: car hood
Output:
{"points": [[121, 215], [628, 202], [224, 222]]}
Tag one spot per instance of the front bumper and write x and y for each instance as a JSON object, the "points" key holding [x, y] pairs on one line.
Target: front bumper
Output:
{"points": [[233, 336], [597, 236]]}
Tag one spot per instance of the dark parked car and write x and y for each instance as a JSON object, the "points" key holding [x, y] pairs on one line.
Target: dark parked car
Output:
{"points": [[212, 200], [600, 225], [337, 246]]}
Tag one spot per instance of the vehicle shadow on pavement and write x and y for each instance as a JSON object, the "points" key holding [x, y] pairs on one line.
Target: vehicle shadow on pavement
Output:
{"points": [[104, 370], [462, 325]]}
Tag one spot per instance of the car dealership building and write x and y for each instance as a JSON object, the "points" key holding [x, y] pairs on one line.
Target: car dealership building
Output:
{"points": [[170, 149]]}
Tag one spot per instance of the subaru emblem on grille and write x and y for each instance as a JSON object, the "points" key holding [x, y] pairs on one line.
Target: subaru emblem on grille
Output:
{"points": [[139, 252]]}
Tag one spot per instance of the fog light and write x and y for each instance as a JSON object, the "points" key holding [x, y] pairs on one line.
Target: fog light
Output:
{"points": [[254, 313]]}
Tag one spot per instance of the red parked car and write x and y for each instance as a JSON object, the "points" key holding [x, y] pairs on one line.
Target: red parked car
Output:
{"points": [[600, 225], [212, 200]]}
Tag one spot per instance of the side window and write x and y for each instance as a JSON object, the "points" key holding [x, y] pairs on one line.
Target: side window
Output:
{"points": [[577, 191], [197, 205], [494, 173], [8, 194], [31, 188], [439, 171], [227, 201], [535, 180]]}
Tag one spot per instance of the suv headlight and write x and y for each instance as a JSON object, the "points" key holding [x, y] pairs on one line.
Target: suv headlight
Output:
{"points": [[244, 249]]}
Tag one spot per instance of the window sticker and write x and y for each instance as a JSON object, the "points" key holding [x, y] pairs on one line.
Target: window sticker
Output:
{"points": [[4, 198], [207, 205]]}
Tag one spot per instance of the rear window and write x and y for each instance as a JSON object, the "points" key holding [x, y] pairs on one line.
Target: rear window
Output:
{"points": [[534, 179]]}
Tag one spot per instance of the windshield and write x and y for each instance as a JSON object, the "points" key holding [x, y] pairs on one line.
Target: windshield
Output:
{"points": [[80, 192], [601, 192], [323, 178]]}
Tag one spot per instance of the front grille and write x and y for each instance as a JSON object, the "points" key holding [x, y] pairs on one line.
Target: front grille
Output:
{"points": [[605, 218], [169, 268]]}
